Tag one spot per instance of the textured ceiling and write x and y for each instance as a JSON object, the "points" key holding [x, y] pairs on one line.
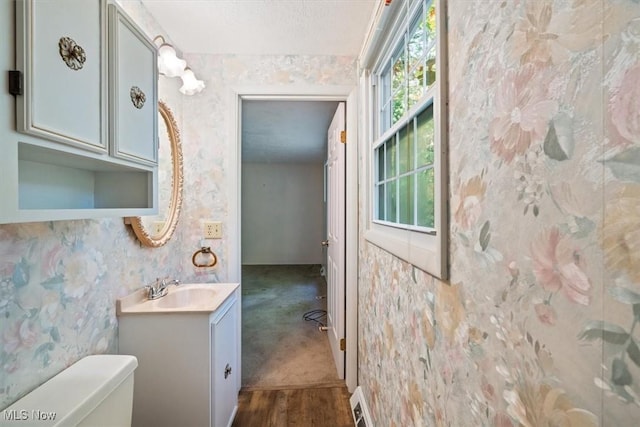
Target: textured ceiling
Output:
{"points": [[272, 27], [286, 131]]}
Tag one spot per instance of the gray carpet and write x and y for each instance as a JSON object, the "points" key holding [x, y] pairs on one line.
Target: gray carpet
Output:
{"points": [[279, 348]]}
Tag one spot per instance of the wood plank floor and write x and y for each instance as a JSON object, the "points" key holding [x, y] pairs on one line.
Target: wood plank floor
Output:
{"points": [[317, 407]]}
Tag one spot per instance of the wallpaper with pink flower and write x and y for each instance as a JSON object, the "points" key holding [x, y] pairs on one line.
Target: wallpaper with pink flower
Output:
{"points": [[59, 280], [538, 324]]}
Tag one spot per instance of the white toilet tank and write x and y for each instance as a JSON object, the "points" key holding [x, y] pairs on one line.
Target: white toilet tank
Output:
{"points": [[96, 391]]}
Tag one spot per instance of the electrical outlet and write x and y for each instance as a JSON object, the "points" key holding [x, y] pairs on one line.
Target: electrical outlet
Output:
{"points": [[212, 230], [157, 227]]}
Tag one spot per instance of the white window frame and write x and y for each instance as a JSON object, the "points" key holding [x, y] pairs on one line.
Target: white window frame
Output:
{"points": [[427, 249]]}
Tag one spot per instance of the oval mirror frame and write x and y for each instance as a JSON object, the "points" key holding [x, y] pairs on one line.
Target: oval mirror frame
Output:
{"points": [[145, 236]]}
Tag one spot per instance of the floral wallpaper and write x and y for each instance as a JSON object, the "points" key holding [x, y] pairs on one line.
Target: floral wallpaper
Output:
{"points": [[537, 325], [59, 280]]}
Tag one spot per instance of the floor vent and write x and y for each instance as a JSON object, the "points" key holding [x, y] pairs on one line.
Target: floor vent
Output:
{"points": [[359, 409]]}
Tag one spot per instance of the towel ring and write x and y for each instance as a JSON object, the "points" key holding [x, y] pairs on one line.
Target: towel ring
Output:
{"points": [[204, 250]]}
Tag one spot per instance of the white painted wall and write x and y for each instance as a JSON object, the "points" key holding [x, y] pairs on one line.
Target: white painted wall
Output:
{"points": [[282, 213]]}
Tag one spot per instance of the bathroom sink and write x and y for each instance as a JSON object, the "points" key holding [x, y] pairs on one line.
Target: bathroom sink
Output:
{"points": [[185, 298]]}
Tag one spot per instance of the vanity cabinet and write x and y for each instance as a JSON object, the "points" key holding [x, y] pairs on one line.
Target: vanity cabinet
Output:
{"points": [[188, 365], [224, 365], [79, 130]]}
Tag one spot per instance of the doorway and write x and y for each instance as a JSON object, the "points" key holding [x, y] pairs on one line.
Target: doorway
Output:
{"points": [[283, 219], [301, 93]]}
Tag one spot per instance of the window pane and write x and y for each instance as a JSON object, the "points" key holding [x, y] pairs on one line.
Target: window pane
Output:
{"points": [[416, 86], [390, 156], [399, 85], [430, 25], [405, 148], [399, 104], [399, 69], [380, 202], [417, 43], [406, 199], [392, 209], [417, 48], [426, 198], [385, 117], [425, 137], [380, 165], [385, 83], [431, 66], [385, 99]]}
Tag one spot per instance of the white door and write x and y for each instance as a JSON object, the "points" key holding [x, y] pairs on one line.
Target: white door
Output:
{"points": [[336, 163]]}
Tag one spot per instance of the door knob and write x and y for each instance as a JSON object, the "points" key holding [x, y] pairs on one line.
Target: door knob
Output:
{"points": [[227, 371], [325, 243]]}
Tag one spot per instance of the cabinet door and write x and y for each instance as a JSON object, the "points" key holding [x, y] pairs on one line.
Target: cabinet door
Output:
{"points": [[224, 336], [133, 91], [59, 51]]}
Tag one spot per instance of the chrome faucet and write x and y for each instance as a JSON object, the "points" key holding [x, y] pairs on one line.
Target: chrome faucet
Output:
{"points": [[159, 288]]}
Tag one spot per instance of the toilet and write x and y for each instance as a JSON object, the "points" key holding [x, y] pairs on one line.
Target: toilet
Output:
{"points": [[96, 391]]}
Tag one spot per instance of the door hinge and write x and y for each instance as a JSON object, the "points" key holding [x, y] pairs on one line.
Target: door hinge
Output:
{"points": [[15, 82], [343, 344], [343, 136]]}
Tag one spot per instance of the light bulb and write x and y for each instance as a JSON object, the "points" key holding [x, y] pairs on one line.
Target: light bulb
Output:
{"points": [[168, 62], [190, 85]]}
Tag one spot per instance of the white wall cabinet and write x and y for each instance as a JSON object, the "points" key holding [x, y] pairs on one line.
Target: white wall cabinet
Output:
{"points": [[133, 95], [188, 365], [65, 153], [59, 50]]}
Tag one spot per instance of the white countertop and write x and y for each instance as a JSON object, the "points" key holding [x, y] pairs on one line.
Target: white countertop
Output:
{"points": [[184, 298]]}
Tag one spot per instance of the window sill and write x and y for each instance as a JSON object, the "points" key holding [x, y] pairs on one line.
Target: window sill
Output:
{"points": [[416, 248]]}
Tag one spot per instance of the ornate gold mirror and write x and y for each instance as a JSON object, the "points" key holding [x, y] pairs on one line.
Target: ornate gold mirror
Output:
{"points": [[155, 231]]}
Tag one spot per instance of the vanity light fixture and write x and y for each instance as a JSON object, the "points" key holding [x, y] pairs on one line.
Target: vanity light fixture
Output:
{"points": [[190, 85], [168, 62], [170, 65]]}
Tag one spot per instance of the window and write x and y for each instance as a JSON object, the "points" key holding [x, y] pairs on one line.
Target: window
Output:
{"points": [[407, 118], [404, 175]]}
